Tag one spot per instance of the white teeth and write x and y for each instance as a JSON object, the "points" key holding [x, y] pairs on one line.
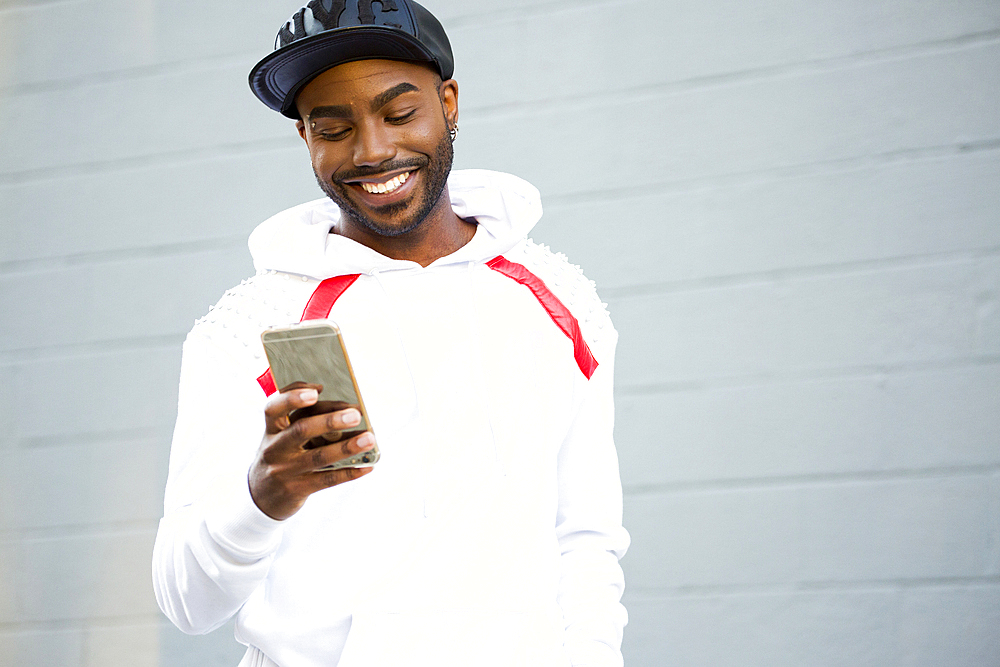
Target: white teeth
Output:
{"points": [[388, 186]]}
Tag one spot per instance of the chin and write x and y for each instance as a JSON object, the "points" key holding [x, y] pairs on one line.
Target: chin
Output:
{"points": [[390, 226], [390, 220], [394, 219]]}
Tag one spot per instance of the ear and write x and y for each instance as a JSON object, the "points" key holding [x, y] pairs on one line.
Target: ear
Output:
{"points": [[449, 101], [301, 127]]}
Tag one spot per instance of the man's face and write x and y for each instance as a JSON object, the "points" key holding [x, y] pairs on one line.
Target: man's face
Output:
{"points": [[377, 132]]}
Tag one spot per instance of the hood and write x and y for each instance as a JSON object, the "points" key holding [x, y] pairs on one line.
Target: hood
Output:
{"points": [[299, 241]]}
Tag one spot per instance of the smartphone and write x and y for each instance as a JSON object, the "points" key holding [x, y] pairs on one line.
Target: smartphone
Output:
{"points": [[313, 352]]}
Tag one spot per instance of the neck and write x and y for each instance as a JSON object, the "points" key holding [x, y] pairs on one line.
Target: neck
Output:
{"points": [[440, 234]]}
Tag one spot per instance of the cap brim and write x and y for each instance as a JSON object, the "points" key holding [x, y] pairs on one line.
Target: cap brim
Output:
{"points": [[279, 77]]}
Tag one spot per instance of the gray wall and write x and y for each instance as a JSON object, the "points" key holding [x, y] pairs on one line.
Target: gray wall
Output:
{"points": [[792, 208]]}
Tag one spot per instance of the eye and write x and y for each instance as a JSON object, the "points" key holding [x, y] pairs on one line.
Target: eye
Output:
{"points": [[400, 118], [333, 134]]}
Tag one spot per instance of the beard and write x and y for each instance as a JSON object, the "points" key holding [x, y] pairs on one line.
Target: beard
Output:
{"points": [[435, 170]]}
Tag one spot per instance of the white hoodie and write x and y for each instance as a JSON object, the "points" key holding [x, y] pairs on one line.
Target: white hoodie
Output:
{"points": [[489, 532]]}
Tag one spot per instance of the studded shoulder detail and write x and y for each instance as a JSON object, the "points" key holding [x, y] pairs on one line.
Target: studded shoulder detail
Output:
{"points": [[268, 299], [568, 282]]}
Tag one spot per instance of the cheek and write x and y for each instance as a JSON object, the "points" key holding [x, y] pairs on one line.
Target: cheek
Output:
{"points": [[323, 162], [436, 130], [426, 134]]}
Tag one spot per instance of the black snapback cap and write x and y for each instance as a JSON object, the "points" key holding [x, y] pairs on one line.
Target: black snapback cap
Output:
{"points": [[326, 33]]}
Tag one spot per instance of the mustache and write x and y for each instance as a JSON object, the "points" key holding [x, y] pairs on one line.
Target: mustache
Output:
{"points": [[387, 166]]}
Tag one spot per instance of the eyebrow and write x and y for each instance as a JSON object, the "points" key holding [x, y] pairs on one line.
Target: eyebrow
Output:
{"points": [[379, 101], [382, 99]]}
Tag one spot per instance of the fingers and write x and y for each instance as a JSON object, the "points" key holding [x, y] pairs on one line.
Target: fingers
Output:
{"points": [[311, 443], [280, 405], [324, 427], [329, 478], [315, 460], [322, 479]]}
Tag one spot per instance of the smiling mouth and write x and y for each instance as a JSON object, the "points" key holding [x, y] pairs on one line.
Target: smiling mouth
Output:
{"points": [[384, 187]]}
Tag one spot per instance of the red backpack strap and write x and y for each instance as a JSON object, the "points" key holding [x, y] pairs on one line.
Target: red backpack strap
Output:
{"points": [[266, 382], [559, 313], [326, 294]]}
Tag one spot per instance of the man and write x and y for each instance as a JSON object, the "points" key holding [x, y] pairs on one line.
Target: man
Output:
{"points": [[489, 532]]}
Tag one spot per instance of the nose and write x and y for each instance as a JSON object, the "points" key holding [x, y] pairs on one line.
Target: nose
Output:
{"points": [[373, 145]]}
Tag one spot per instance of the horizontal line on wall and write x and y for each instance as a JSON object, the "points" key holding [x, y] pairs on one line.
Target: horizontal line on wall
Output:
{"points": [[137, 620], [640, 594], [58, 262], [6, 5], [136, 72], [73, 531], [590, 99], [798, 273], [833, 478], [884, 370], [879, 371], [164, 158], [522, 12], [82, 624], [100, 437], [777, 174], [98, 348]]}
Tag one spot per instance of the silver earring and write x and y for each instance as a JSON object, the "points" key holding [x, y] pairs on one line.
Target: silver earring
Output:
{"points": [[453, 132]]}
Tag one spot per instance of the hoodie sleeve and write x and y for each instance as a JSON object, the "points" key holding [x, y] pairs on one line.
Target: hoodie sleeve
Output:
{"points": [[589, 527], [213, 546]]}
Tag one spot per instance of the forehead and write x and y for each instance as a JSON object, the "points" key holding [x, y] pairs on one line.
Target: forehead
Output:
{"points": [[361, 81]]}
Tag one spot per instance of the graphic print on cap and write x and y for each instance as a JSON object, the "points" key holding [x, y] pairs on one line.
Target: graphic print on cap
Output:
{"points": [[320, 15]]}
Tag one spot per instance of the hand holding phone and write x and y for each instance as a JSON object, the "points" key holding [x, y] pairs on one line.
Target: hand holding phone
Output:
{"points": [[317, 433]]}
